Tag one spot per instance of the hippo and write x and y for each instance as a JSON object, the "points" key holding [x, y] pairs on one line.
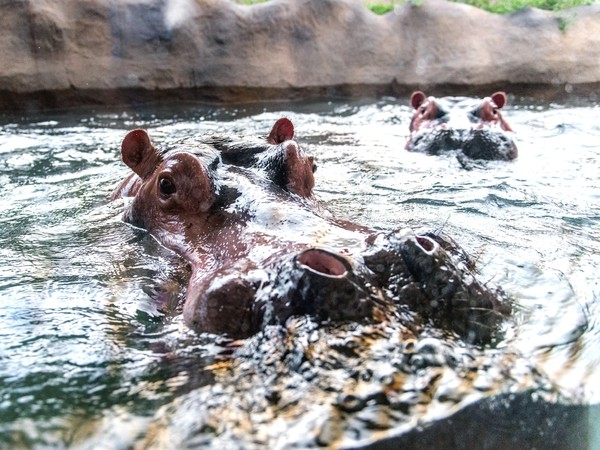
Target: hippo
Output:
{"points": [[474, 128], [262, 249]]}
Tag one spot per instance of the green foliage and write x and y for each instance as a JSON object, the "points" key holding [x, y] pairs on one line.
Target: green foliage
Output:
{"points": [[494, 6], [510, 6], [380, 9]]}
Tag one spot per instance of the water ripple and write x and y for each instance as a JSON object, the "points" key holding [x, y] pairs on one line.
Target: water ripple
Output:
{"points": [[92, 338]]}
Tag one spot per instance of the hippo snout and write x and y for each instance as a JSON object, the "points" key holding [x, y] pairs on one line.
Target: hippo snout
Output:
{"points": [[437, 141], [222, 304], [476, 143], [315, 282], [429, 273], [318, 283], [485, 144], [327, 287], [424, 259]]}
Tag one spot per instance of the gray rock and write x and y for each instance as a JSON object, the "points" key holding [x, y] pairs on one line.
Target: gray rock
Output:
{"points": [[70, 47]]}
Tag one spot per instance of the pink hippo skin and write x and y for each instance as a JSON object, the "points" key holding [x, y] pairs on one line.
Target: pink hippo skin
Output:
{"points": [[473, 127], [261, 249]]}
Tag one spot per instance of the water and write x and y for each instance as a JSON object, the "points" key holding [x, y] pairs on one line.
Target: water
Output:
{"points": [[87, 360]]}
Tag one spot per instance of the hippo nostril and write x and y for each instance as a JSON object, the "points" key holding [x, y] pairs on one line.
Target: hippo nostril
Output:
{"points": [[314, 282], [426, 243], [323, 262]]}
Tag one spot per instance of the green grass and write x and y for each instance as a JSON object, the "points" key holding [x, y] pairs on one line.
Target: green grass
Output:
{"points": [[510, 6], [380, 9], [494, 6], [250, 2]]}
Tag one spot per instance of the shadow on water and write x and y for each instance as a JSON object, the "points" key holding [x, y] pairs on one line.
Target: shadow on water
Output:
{"points": [[93, 345]]}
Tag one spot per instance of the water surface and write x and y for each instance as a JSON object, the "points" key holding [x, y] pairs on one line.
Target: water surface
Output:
{"points": [[87, 359]]}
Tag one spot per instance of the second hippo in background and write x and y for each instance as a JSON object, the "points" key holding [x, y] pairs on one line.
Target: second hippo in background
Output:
{"points": [[474, 128]]}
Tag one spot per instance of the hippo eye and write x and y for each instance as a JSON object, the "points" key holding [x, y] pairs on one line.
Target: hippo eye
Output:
{"points": [[166, 186]]}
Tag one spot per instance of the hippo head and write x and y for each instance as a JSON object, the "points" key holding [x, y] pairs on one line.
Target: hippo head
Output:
{"points": [[261, 250], [173, 187], [475, 128], [251, 231]]}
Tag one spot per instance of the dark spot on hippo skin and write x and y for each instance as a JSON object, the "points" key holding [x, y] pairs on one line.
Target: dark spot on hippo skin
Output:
{"points": [[273, 396], [351, 403]]}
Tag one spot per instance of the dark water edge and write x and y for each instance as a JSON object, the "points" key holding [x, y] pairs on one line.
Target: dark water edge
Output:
{"points": [[48, 100], [506, 421]]}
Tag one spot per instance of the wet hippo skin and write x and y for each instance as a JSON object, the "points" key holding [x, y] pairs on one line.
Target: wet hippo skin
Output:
{"points": [[473, 127], [243, 214]]}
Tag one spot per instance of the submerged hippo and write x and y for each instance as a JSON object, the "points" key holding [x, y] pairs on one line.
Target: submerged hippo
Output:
{"points": [[261, 249], [473, 127]]}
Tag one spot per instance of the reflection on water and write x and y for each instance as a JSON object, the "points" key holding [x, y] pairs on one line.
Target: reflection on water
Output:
{"points": [[87, 358]]}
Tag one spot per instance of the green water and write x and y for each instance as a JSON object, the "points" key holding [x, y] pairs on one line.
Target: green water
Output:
{"points": [[87, 360]]}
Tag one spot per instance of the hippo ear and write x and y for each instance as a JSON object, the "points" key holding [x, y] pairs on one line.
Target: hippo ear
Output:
{"points": [[417, 98], [282, 131], [499, 98], [139, 154]]}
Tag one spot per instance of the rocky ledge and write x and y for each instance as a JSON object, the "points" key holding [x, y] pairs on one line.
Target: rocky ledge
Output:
{"points": [[56, 53]]}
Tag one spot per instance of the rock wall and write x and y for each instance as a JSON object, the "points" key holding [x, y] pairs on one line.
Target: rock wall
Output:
{"points": [[83, 49]]}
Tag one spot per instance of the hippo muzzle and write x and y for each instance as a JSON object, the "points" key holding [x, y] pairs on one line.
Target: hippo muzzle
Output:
{"points": [[475, 143], [429, 273], [314, 282], [473, 128], [488, 145], [223, 304]]}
